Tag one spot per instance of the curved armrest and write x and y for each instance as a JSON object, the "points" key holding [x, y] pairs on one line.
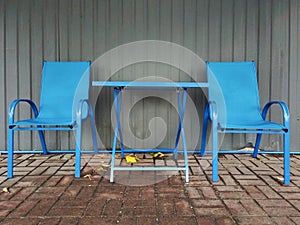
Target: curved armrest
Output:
{"points": [[284, 108], [13, 105], [213, 113], [80, 109]]}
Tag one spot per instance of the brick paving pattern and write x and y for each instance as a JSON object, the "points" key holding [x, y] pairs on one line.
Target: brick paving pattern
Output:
{"points": [[44, 191]]}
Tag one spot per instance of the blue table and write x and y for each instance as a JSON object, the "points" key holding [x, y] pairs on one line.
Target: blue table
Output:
{"points": [[181, 88]]}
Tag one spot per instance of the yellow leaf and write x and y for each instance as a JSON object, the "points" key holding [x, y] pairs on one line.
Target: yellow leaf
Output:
{"points": [[131, 159], [158, 155]]}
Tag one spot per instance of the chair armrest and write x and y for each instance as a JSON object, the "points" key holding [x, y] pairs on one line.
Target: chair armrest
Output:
{"points": [[80, 109], [284, 108], [13, 105], [213, 112]]}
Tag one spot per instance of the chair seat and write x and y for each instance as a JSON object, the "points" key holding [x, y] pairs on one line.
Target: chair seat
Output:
{"points": [[44, 122], [265, 125]]}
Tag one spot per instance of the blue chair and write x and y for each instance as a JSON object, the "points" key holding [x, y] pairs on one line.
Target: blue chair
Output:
{"points": [[63, 106], [233, 107]]}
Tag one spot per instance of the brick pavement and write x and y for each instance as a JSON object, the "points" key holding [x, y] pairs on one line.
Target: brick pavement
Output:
{"points": [[44, 191]]}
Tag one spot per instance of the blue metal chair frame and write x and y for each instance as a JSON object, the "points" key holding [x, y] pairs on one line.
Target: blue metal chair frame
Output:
{"points": [[75, 74], [219, 73], [182, 94]]}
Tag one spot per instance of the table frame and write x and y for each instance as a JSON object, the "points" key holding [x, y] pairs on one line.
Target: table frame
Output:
{"points": [[181, 88]]}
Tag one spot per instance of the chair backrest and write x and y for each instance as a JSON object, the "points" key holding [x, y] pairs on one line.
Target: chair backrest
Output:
{"points": [[63, 85], [233, 86]]}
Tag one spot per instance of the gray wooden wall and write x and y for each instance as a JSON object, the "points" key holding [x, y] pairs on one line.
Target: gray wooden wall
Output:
{"points": [[267, 31]]}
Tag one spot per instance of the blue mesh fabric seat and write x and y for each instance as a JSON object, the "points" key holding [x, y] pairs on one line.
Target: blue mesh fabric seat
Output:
{"points": [[234, 107], [63, 106]]}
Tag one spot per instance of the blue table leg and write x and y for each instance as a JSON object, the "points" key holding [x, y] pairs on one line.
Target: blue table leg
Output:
{"points": [[180, 132], [117, 108]]}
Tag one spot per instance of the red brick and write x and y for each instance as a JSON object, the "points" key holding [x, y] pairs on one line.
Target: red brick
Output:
{"points": [[68, 220], [71, 191], [24, 193], [193, 192], [236, 208], [205, 220], [97, 221], [254, 192], [273, 203], [66, 212], [143, 220], [234, 195], [228, 180], [254, 220], [282, 220], [281, 211], [208, 192], [183, 207], [49, 221], [252, 207], [23, 209], [217, 211], [23, 221], [177, 220], [42, 207], [200, 203], [112, 207], [166, 208], [225, 221]]}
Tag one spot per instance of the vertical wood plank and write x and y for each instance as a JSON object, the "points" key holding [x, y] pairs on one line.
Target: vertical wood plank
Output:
{"points": [[75, 31], [3, 109], [50, 15], [240, 13], [63, 24], [227, 22], [104, 100], [190, 27], [24, 71], [252, 30], [152, 69], [11, 59], [214, 32], [87, 53], [294, 68], [252, 47], [164, 109], [279, 51], [36, 43], [202, 30]]}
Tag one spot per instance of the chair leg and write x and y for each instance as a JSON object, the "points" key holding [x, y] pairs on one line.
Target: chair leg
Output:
{"points": [[215, 176], [93, 129], [43, 142], [204, 130], [10, 153], [257, 143], [286, 156], [78, 150]]}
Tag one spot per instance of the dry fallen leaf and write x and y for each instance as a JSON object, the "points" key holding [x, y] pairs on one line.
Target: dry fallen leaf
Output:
{"points": [[131, 158], [88, 176], [157, 155], [5, 189], [280, 179]]}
